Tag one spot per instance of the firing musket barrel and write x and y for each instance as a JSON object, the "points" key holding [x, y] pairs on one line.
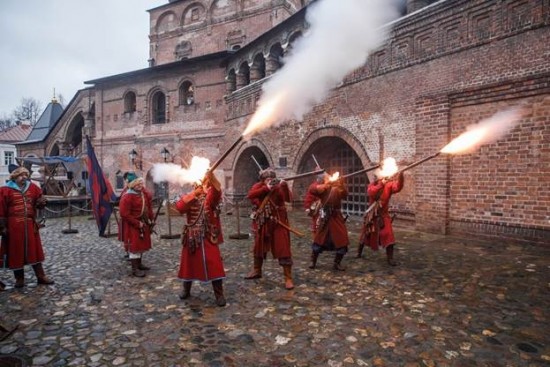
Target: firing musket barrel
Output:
{"points": [[360, 171], [302, 175], [417, 163], [257, 163], [224, 155]]}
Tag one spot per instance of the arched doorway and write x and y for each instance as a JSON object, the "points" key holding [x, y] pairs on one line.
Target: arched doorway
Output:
{"points": [[246, 171], [335, 154]]}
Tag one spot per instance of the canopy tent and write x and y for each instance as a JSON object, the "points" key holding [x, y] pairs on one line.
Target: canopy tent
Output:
{"points": [[59, 172]]}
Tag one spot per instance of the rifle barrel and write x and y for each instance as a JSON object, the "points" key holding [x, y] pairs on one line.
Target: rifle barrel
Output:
{"points": [[224, 155], [418, 162], [361, 171], [302, 175]]}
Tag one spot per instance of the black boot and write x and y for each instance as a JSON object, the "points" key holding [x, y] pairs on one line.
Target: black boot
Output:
{"points": [[314, 257], [218, 292], [19, 275], [141, 266], [41, 275], [389, 255], [135, 269], [360, 250], [186, 293], [337, 260]]}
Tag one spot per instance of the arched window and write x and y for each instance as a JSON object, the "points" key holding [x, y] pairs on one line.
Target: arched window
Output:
{"points": [[231, 81], [130, 102], [186, 94], [243, 77], [257, 71], [159, 108]]}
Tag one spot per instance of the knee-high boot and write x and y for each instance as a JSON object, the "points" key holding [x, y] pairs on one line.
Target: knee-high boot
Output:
{"points": [[41, 275], [256, 273], [389, 255], [186, 292], [287, 271], [19, 275], [141, 266], [314, 257], [218, 292], [337, 260], [135, 269], [360, 249]]}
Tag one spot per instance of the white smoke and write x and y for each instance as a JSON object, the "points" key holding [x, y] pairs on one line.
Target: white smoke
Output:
{"points": [[175, 174], [342, 33]]}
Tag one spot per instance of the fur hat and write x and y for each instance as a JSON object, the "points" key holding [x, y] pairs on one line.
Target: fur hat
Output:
{"points": [[267, 173], [18, 172], [135, 181]]}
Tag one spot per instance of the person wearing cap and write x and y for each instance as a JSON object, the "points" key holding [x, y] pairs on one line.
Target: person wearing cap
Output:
{"points": [[312, 204], [377, 230], [126, 177], [21, 244], [200, 258], [270, 224], [330, 233], [136, 214]]}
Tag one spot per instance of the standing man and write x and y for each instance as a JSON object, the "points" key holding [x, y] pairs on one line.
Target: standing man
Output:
{"points": [[330, 233], [377, 228], [312, 204], [136, 214], [200, 255], [126, 177], [270, 224], [21, 243]]}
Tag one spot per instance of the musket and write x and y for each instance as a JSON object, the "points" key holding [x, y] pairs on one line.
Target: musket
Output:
{"points": [[224, 155], [361, 171], [156, 216], [302, 175], [257, 163], [315, 160], [413, 165]]}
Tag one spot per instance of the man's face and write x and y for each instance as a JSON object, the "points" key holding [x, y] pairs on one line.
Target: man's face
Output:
{"points": [[138, 187], [21, 179]]}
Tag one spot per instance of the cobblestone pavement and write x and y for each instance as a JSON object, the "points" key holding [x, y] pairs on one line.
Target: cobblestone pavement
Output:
{"points": [[450, 302]]}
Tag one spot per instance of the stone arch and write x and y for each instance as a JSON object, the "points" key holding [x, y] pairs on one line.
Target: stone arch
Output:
{"points": [[273, 60], [245, 170], [54, 150], [157, 115], [231, 81], [222, 9], [166, 22], [346, 155], [73, 134], [292, 40], [130, 101], [257, 70], [243, 76], [194, 13]]}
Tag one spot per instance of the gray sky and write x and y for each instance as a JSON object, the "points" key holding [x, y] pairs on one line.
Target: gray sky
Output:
{"points": [[46, 44]]}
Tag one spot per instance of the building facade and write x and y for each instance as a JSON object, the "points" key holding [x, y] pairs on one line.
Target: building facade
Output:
{"points": [[446, 65]]}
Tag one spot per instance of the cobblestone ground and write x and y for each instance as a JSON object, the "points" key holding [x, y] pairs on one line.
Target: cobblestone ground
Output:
{"points": [[450, 302]]}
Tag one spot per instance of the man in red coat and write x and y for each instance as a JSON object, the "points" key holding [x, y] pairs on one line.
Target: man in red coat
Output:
{"points": [[330, 233], [136, 214], [270, 224], [377, 227], [21, 243], [200, 255], [312, 204]]}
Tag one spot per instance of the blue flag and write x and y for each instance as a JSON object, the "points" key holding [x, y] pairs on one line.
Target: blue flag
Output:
{"points": [[101, 191]]}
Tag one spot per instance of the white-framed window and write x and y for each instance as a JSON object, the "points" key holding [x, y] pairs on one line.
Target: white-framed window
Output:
{"points": [[9, 157]]}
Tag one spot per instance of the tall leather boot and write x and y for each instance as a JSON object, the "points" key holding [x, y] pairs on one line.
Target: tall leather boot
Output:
{"points": [[360, 250], [256, 273], [337, 260], [389, 255], [218, 292], [186, 292], [287, 271], [41, 277], [141, 266], [314, 257], [135, 269], [19, 275], [2, 286]]}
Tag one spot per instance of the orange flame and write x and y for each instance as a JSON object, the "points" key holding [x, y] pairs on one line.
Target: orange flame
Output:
{"points": [[334, 177], [389, 167], [466, 141], [264, 115]]}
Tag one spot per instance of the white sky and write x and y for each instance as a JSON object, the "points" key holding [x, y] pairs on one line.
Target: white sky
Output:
{"points": [[46, 44]]}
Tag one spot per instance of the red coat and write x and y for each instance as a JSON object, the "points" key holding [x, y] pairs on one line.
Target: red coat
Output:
{"points": [[330, 224], [21, 245], [311, 202], [200, 255], [381, 232], [269, 234], [136, 208]]}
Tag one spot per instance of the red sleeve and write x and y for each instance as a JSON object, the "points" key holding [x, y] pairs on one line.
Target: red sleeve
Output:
{"points": [[397, 185], [373, 189], [184, 203], [258, 191], [285, 191], [125, 208], [213, 198]]}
